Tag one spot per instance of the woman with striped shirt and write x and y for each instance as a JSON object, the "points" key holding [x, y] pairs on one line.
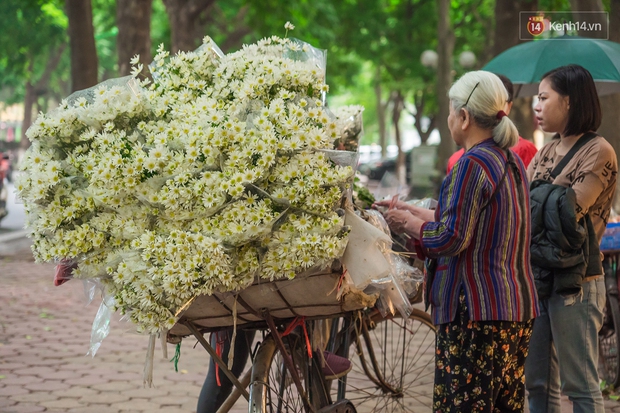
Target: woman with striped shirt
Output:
{"points": [[480, 285]]}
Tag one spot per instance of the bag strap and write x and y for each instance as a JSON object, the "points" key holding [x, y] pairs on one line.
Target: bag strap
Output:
{"points": [[587, 137]]}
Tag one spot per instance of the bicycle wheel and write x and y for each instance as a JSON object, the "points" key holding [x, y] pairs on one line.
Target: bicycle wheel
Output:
{"points": [[393, 365], [608, 342], [272, 389]]}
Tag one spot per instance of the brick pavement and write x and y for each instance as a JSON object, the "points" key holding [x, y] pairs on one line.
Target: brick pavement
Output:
{"points": [[45, 334]]}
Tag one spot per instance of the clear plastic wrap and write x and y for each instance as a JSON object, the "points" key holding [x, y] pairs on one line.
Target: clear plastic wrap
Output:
{"points": [[351, 125], [101, 324], [304, 52]]}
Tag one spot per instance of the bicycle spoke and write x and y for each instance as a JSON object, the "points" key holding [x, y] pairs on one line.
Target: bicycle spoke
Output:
{"points": [[404, 351]]}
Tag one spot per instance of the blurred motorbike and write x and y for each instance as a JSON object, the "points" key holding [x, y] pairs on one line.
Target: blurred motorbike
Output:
{"points": [[5, 166]]}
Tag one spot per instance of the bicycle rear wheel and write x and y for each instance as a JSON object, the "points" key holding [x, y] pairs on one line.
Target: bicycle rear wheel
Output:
{"points": [[608, 342], [393, 365]]}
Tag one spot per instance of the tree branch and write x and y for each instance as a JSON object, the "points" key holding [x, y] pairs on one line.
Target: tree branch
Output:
{"points": [[194, 7], [50, 66]]}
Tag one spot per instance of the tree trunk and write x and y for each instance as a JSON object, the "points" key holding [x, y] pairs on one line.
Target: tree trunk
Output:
{"points": [[380, 113], [397, 108], [133, 18], [40, 88], [610, 124], [420, 103], [234, 38], [588, 6], [506, 36], [445, 49], [84, 63], [507, 24], [183, 15], [609, 104], [29, 100]]}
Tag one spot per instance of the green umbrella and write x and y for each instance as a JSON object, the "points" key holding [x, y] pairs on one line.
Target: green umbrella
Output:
{"points": [[525, 64]]}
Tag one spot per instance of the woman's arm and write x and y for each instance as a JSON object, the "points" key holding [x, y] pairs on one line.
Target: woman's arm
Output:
{"points": [[403, 222], [423, 213]]}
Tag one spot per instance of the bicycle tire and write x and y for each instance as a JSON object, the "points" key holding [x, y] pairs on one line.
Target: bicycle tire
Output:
{"points": [[272, 389], [405, 355], [608, 342]]}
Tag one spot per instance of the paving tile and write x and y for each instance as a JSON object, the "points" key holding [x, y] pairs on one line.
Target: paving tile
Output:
{"points": [[6, 402], [76, 392], [64, 403], [34, 371], [26, 408], [12, 366], [95, 408], [137, 404], [87, 381], [125, 376], [35, 397], [59, 375], [174, 400], [144, 392], [115, 386], [46, 385], [14, 379], [13, 390], [104, 398]]}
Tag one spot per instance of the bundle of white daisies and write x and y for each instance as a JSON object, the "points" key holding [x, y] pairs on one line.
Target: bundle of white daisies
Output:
{"points": [[219, 170]]}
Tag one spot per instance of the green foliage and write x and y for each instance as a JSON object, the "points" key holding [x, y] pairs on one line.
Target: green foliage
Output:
{"points": [[104, 23], [32, 32], [160, 27]]}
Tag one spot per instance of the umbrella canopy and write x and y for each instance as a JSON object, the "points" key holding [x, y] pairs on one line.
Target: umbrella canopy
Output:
{"points": [[525, 64]]}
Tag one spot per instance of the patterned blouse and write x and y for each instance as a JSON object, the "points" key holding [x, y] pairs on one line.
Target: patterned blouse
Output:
{"points": [[481, 240]]}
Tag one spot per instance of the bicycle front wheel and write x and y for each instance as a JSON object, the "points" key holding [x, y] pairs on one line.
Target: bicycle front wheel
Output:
{"points": [[272, 388], [608, 342], [393, 365]]}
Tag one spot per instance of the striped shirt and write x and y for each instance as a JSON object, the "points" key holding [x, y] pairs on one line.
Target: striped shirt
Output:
{"points": [[482, 240]]}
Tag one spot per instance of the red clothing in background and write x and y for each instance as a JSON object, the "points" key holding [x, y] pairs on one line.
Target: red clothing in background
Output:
{"points": [[524, 149]]}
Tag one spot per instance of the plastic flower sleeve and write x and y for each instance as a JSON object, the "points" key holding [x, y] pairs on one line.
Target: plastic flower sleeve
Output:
{"points": [[304, 52], [101, 324], [351, 127]]}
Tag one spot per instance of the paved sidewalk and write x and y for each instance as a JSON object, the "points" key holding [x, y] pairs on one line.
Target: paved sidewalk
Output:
{"points": [[45, 334]]}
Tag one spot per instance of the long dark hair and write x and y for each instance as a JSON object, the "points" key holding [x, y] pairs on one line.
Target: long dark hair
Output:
{"points": [[584, 113]]}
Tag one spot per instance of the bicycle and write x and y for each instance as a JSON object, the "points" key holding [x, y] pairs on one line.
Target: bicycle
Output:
{"points": [[393, 365]]}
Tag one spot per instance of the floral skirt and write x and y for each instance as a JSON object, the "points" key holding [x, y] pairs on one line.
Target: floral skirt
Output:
{"points": [[479, 365]]}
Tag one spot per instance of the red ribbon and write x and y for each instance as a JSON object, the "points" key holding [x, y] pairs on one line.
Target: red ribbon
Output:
{"points": [[219, 346], [500, 114], [299, 321]]}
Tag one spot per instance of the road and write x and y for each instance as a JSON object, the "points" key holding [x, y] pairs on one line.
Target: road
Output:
{"points": [[16, 218]]}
